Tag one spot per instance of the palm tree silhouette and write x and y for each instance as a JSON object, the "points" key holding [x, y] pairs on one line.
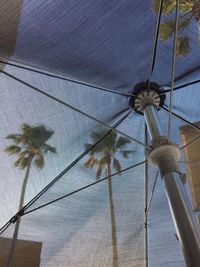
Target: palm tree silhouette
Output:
{"points": [[30, 146], [103, 157], [189, 10]]}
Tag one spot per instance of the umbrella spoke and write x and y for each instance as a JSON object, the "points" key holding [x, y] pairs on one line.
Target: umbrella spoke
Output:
{"points": [[2, 229], [183, 119], [188, 73], [84, 187], [63, 78], [182, 86], [155, 42], [190, 143], [190, 162], [69, 106], [173, 69], [188, 122], [151, 195]]}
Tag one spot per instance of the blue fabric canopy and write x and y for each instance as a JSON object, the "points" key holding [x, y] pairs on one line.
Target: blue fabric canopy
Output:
{"points": [[71, 66]]}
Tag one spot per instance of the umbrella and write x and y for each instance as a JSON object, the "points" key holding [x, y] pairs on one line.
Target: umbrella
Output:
{"points": [[80, 83]]}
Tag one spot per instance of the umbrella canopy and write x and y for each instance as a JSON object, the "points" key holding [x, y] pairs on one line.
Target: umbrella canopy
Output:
{"points": [[71, 67]]}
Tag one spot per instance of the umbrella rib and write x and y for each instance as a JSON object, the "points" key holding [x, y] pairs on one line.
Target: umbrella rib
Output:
{"points": [[183, 119], [71, 107], [83, 188], [190, 162], [155, 42], [190, 143], [173, 69], [152, 192], [3, 228], [64, 78], [188, 122], [182, 86]]}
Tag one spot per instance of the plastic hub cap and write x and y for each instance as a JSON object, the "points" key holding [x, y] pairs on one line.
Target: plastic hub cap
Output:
{"points": [[143, 97]]}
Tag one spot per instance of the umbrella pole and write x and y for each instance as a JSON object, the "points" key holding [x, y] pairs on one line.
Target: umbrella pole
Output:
{"points": [[165, 156]]}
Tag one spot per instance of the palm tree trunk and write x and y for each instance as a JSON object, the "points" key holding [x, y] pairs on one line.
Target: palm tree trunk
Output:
{"points": [[17, 224], [113, 220]]}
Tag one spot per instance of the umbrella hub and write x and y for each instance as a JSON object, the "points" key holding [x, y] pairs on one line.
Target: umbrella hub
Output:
{"points": [[145, 94]]}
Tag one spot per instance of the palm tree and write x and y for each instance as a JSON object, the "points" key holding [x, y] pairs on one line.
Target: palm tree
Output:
{"points": [[188, 10], [30, 146], [103, 157]]}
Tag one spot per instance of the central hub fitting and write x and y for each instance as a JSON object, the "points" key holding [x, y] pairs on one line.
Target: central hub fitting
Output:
{"points": [[147, 94]]}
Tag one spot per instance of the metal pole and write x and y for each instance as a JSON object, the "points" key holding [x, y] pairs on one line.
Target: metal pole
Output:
{"points": [[146, 203], [165, 157]]}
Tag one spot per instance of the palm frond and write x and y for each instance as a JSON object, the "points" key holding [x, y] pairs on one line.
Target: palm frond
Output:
{"points": [[22, 162], [107, 144], [184, 23], [182, 46], [105, 150], [185, 5], [35, 136], [96, 136], [47, 148], [32, 144], [92, 151], [24, 153], [116, 165], [102, 161], [166, 30], [39, 161], [99, 171], [121, 142], [168, 6], [12, 149], [126, 153], [90, 162], [110, 141], [16, 138]]}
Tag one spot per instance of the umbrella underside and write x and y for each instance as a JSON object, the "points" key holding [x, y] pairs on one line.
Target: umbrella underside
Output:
{"points": [[67, 72]]}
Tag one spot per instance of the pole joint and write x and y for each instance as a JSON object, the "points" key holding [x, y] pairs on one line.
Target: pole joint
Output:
{"points": [[165, 155]]}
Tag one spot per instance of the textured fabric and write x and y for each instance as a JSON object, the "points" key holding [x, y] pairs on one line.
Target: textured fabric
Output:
{"points": [[101, 43]]}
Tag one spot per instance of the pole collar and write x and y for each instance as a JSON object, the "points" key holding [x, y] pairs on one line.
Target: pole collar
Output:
{"points": [[166, 158], [166, 151]]}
